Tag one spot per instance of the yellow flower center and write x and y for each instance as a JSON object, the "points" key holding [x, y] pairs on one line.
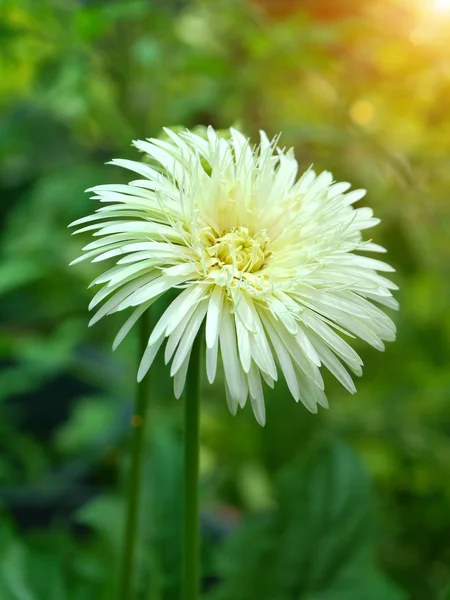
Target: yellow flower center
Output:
{"points": [[247, 253]]}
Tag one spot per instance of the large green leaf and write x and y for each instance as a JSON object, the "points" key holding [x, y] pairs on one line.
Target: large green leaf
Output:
{"points": [[317, 545], [162, 515], [13, 578], [40, 567]]}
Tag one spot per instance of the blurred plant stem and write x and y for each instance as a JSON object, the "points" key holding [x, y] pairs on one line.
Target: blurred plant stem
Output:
{"points": [[134, 480], [191, 536]]}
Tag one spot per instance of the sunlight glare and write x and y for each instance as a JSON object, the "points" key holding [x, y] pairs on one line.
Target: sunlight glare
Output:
{"points": [[441, 5]]}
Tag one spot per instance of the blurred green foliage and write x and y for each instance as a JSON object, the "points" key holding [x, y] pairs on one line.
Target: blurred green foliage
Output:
{"points": [[361, 88], [318, 543]]}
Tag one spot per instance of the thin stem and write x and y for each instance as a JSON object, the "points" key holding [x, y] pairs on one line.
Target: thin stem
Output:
{"points": [[191, 533], [134, 481]]}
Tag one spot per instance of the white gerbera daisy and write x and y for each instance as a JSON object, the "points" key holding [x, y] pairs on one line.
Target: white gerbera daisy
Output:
{"points": [[270, 263]]}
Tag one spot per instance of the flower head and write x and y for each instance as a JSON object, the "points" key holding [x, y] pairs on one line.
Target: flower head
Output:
{"points": [[271, 264]]}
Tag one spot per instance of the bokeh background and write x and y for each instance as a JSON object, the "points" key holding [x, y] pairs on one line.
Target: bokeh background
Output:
{"points": [[353, 504]]}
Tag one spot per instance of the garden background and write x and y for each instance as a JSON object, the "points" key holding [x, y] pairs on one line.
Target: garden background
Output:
{"points": [[352, 504]]}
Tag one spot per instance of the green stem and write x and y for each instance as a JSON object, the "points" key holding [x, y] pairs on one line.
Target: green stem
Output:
{"points": [[191, 533], [134, 481]]}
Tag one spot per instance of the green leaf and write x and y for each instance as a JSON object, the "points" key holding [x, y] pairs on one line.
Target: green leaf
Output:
{"points": [[104, 515], [317, 546], [162, 499], [44, 566], [13, 583], [17, 273], [91, 418]]}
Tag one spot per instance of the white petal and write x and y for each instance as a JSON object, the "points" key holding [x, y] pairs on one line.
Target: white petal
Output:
{"points": [[337, 189], [152, 289], [211, 361], [282, 312], [245, 309], [114, 303], [228, 348], [176, 311], [148, 358], [213, 316], [354, 196], [95, 253], [232, 402], [334, 366], [137, 167], [257, 395], [366, 262], [388, 301], [132, 271], [153, 230], [310, 394], [260, 348], [301, 359], [188, 338], [336, 343], [243, 339], [179, 378], [305, 344], [284, 360], [268, 379], [126, 327], [370, 247], [175, 337], [361, 329], [185, 269]]}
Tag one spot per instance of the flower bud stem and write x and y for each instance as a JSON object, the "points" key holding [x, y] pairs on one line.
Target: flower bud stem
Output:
{"points": [[128, 566], [191, 530]]}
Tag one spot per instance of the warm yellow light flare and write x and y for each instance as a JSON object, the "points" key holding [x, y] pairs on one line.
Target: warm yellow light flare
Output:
{"points": [[441, 5], [362, 112]]}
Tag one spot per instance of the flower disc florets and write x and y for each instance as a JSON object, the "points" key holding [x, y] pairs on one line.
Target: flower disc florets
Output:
{"points": [[270, 264], [244, 252]]}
